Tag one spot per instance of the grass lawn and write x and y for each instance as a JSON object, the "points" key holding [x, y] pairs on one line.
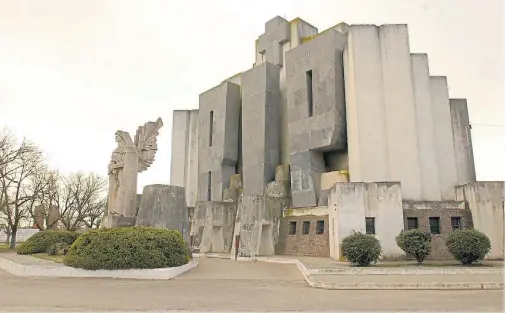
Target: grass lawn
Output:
{"points": [[5, 248], [45, 256]]}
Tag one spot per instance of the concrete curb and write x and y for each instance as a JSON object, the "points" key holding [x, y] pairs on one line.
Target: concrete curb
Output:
{"points": [[407, 271], [369, 286], [69, 272]]}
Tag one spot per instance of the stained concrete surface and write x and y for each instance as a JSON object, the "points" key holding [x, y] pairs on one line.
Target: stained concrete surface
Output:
{"points": [[225, 285]]}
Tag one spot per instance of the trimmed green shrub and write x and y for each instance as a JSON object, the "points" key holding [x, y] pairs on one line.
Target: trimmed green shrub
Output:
{"points": [[128, 248], [361, 249], [468, 245], [59, 248], [41, 241], [416, 243]]}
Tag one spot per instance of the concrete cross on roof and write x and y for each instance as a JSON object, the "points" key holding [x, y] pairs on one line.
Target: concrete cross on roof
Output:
{"points": [[270, 43]]}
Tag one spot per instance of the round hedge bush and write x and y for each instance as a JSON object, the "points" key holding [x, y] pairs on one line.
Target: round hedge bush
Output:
{"points": [[468, 245], [41, 241], [59, 248], [416, 243], [361, 249], [128, 248]]}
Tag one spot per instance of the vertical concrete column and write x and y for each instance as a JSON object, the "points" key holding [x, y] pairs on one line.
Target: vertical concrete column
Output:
{"points": [[218, 139], [180, 141], [425, 129], [444, 139], [366, 116], [399, 108], [191, 184], [184, 159], [260, 127], [463, 148]]}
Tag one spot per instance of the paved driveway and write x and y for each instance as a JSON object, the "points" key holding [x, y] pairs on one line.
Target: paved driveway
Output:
{"points": [[225, 285]]}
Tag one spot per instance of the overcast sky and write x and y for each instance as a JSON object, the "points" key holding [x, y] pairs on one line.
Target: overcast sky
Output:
{"points": [[73, 72]]}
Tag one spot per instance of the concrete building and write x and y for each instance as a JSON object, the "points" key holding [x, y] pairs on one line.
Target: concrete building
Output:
{"points": [[328, 133]]}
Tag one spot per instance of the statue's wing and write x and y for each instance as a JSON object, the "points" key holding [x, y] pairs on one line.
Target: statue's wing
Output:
{"points": [[145, 141]]}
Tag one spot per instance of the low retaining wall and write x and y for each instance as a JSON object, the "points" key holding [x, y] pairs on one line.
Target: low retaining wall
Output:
{"points": [[66, 271]]}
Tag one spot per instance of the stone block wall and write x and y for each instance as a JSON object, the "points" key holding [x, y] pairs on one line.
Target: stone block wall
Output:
{"points": [[310, 244], [423, 210]]}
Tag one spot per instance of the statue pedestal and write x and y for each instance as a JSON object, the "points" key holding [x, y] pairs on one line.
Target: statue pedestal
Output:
{"points": [[164, 206], [111, 221]]}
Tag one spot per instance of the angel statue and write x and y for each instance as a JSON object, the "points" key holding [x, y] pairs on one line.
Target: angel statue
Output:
{"points": [[127, 160]]}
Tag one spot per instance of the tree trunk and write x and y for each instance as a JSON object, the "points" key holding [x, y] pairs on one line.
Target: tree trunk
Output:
{"points": [[13, 239]]}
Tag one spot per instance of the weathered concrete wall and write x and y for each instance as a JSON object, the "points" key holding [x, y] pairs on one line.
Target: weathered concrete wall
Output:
{"points": [[366, 117], [384, 204], [445, 210], [281, 36], [346, 213], [260, 127], [425, 129], [259, 224], [219, 224], [316, 111], [444, 141], [164, 206], [184, 162], [399, 101], [351, 203], [380, 103], [219, 155], [463, 148], [180, 140], [486, 202]]}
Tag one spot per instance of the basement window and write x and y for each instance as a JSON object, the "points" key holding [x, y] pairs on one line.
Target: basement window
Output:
{"points": [[412, 223], [435, 225], [455, 222], [292, 228], [370, 225], [320, 228], [306, 228]]}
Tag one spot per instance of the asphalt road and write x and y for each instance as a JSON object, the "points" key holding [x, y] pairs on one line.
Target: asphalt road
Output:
{"points": [[223, 285]]}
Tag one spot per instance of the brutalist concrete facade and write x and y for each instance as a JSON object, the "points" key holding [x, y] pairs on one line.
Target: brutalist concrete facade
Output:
{"points": [[260, 127], [218, 139], [349, 120]]}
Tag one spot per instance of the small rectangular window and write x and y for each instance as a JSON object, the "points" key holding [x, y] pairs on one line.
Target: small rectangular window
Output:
{"points": [[370, 225], [456, 222], [306, 228], [435, 225], [412, 223], [292, 228], [310, 95], [320, 228]]}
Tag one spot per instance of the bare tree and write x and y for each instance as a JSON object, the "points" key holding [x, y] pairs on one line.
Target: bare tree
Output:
{"points": [[19, 182], [82, 200], [47, 199]]}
